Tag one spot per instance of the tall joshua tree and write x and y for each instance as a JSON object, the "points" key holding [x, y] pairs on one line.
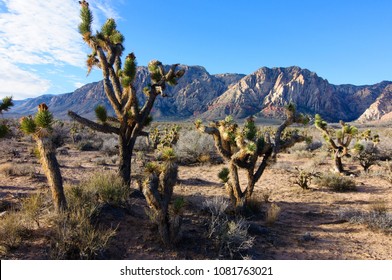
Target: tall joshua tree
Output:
{"points": [[130, 119], [338, 140], [5, 105], [242, 148], [40, 127]]}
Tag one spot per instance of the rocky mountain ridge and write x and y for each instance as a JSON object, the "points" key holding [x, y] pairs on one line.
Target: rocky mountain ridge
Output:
{"points": [[263, 93]]}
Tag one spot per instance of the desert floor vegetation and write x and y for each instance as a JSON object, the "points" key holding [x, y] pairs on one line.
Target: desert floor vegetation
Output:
{"points": [[284, 220]]}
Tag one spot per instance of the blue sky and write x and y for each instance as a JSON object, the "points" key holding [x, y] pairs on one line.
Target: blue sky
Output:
{"points": [[346, 41]]}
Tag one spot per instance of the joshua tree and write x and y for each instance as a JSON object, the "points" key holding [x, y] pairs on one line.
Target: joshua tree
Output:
{"points": [[40, 127], [130, 119], [158, 190], [338, 140], [243, 147], [5, 106], [366, 150]]}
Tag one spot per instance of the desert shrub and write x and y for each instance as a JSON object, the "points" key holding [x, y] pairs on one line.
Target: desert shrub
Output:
{"points": [[12, 231], [108, 188], [302, 154], [306, 146], [75, 237], [336, 182], [11, 169], [303, 177], [254, 204], [216, 206], [193, 147], [110, 146], [32, 207], [230, 235], [272, 215], [142, 144], [387, 171], [89, 145], [375, 219]]}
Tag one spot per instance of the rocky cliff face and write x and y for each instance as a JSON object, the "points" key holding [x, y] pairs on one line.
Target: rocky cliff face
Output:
{"points": [[190, 97], [262, 93], [381, 108], [267, 91]]}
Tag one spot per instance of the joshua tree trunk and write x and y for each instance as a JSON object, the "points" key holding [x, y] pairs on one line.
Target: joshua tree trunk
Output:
{"points": [[338, 162], [125, 150], [52, 172]]}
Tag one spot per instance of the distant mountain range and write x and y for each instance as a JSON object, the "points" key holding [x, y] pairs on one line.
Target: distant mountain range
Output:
{"points": [[263, 93]]}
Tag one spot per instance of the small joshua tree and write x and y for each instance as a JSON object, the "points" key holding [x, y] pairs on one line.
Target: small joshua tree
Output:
{"points": [[158, 190], [243, 147], [40, 127], [338, 140], [130, 119], [366, 150], [5, 105]]}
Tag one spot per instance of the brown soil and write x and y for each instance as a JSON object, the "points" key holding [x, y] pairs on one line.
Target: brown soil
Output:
{"points": [[308, 227]]}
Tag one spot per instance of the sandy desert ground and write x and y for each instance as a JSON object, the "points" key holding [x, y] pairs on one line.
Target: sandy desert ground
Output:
{"points": [[310, 224]]}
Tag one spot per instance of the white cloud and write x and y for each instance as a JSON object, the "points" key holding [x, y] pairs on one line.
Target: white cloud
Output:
{"points": [[20, 83], [41, 33]]}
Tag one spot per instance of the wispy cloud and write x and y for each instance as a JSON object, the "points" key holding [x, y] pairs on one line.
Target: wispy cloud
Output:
{"points": [[41, 33]]}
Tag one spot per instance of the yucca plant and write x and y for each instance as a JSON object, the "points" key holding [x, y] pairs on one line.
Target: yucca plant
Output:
{"points": [[119, 86], [40, 127]]}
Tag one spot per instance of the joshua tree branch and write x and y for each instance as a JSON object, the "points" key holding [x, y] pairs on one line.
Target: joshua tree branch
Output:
{"points": [[105, 128]]}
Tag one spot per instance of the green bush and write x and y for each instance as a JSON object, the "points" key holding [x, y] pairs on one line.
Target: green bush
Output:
{"points": [[336, 182]]}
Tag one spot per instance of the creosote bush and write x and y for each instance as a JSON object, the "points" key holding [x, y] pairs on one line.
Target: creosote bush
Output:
{"points": [[336, 182]]}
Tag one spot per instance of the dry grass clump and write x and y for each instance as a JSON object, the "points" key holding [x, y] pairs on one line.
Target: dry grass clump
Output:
{"points": [[75, 235], [107, 188], [230, 236], [12, 231], [11, 169], [273, 213], [336, 182], [15, 225], [377, 217]]}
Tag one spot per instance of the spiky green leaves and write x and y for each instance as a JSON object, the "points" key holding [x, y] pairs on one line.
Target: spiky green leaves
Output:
{"points": [[6, 104], [224, 174], [101, 113], [168, 154], [27, 125], [44, 119], [128, 74], [319, 122], [40, 125], [173, 80], [156, 70], [250, 129], [110, 33], [87, 19]]}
